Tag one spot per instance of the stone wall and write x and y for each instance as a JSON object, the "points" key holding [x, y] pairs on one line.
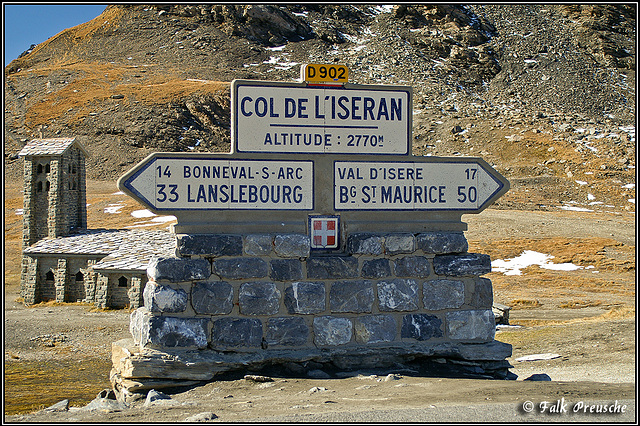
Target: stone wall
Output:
{"points": [[257, 293], [29, 280], [36, 200], [61, 279], [99, 288], [74, 211], [122, 296], [28, 215]]}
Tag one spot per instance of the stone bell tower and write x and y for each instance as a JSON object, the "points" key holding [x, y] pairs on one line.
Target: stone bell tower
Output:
{"points": [[54, 189]]}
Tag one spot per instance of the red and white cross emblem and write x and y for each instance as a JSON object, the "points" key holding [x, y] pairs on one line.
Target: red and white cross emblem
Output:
{"points": [[324, 232]]}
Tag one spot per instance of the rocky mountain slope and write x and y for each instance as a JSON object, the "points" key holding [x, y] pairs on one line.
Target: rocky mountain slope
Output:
{"points": [[545, 93]]}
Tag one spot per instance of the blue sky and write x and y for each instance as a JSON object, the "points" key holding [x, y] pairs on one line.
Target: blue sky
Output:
{"points": [[27, 24]]}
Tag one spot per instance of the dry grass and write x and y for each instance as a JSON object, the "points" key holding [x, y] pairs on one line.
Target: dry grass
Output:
{"points": [[537, 333], [618, 313], [542, 333], [105, 22], [525, 303], [609, 279], [51, 303], [579, 251], [94, 84], [578, 304]]}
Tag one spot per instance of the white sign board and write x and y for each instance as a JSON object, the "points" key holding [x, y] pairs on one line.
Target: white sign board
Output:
{"points": [[293, 118], [166, 183], [440, 185]]}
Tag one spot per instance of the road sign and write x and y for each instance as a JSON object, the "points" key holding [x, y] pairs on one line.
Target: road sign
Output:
{"points": [[296, 118], [167, 183], [444, 184], [324, 73]]}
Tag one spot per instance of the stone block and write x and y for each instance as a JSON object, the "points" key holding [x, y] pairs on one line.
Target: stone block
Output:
{"points": [[442, 294], [305, 298], [292, 245], [211, 245], [442, 242], [399, 243], [212, 297], [490, 351], [258, 244], [148, 329], [234, 333], [332, 331], [462, 264], [482, 296], [364, 243], [239, 268], [374, 328], [332, 267], [471, 325], [285, 270], [412, 266], [398, 295], [139, 324], [421, 327], [164, 298], [286, 331], [177, 270], [376, 268], [351, 296], [259, 298]]}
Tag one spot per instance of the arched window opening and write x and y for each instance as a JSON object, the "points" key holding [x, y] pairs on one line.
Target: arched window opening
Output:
{"points": [[39, 168], [49, 276], [79, 277], [39, 187], [73, 168], [123, 282], [47, 168], [47, 186]]}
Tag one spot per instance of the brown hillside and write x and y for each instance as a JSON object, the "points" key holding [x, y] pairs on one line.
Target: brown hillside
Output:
{"points": [[545, 93]]}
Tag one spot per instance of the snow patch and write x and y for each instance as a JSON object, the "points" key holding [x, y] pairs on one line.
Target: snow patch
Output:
{"points": [[575, 209], [383, 8], [142, 213], [163, 219], [529, 258], [277, 48], [113, 208]]}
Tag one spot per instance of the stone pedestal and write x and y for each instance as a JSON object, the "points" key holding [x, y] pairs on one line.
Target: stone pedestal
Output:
{"points": [[245, 302]]}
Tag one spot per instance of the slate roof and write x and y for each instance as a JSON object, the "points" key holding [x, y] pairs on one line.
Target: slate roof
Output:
{"points": [[50, 146], [123, 250]]}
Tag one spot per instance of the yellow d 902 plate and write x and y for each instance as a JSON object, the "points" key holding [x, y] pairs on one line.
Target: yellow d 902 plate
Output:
{"points": [[324, 73]]}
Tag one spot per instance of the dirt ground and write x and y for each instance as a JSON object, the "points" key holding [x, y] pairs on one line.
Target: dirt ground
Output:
{"points": [[586, 316]]}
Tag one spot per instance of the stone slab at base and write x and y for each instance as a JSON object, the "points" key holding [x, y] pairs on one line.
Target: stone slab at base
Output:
{"points": [[138, 369]]}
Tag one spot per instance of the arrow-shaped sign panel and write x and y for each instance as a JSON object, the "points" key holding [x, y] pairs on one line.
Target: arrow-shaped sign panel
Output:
{"points": [[468, 185], [169, 183]]}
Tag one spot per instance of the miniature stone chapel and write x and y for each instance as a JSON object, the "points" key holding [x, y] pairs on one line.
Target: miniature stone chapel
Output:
{"points": [[64, 261]]}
